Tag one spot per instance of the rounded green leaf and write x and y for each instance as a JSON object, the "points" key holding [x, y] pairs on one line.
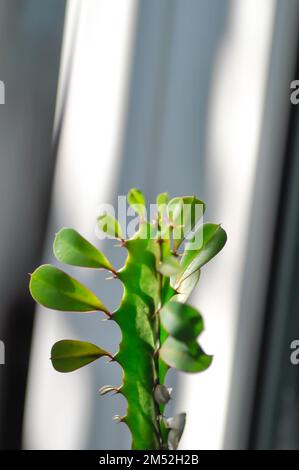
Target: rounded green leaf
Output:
{"points": [[55, 289], [213, 243], [162, 201], [170, 266], [187, 357], [109, 225], [184, 213], [163, 225], [186, 286], [181, 321], [198, 242], [71, 248], [137, 201], [68, 355]]}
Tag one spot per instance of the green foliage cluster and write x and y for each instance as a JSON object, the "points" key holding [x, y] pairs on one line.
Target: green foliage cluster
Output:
{"points": [[159, 329]]}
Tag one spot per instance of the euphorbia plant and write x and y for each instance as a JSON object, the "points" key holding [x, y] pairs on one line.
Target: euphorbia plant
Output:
{"points": [[159, 329]]}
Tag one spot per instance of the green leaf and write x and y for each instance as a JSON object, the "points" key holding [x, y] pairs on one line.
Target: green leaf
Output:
{"points": [[184, 213], [186, 286], [137, 201], [187, 357], [198, 242], [68, 355], [71, 248], [214, 240], [162, 201], [181, 321], [55, 289], [109, 225], [170, 266], [163, 225]]}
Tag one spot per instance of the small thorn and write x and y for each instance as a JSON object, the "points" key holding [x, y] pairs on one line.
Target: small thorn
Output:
{"points": [[118, 418], [156, 312], [107, 389], [113, 276]]}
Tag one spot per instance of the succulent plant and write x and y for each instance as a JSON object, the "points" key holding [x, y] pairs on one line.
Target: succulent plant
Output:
{"points": [[159, 329]]}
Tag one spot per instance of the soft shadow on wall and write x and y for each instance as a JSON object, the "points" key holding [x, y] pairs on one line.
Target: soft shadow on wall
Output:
{"points": [[30, 42]]}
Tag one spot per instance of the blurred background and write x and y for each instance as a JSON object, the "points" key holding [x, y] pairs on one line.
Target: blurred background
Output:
{"points": [[184, 96]]}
